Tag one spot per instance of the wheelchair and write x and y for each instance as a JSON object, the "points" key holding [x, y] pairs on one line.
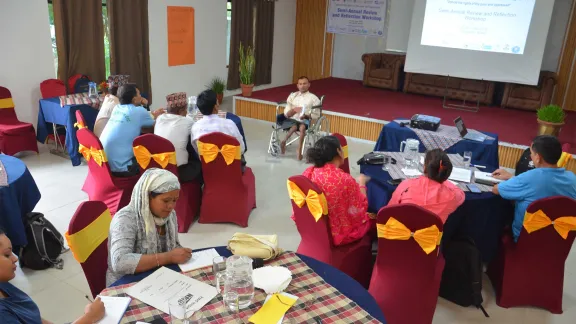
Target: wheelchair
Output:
{"points": [[318, 128]]}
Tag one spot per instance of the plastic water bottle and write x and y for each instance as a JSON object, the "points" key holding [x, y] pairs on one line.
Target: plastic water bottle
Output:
{"points": [[192, 108]]}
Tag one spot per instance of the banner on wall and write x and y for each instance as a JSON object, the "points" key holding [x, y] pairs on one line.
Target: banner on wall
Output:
{"points": [[181, 43], [357, 17]]}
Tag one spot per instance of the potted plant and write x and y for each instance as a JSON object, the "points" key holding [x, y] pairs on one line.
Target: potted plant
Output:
{"points": [[217, 85], [550, 120], [247, 68]]}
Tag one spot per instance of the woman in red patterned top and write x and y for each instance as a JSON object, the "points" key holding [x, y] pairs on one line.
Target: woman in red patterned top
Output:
{"points": [[347, 203]]}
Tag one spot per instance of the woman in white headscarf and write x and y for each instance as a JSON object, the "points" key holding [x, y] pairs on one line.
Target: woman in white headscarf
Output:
{"points": [[143, 235]]}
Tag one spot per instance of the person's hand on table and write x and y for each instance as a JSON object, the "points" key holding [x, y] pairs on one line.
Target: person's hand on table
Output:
{"points": [[180, 255], [363, 179], [501, 174], [95, 311]]}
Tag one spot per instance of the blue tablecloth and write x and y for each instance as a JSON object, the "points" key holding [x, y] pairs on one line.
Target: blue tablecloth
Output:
{"points": [[482, 216], [346, 285], [17, 200], [485, 153], [50, 112]]}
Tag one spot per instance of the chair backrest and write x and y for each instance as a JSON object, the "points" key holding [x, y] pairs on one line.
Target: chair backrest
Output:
{"points": [[52, 88], [80, 121], [100, 172], [407, 255], [155, 147], [7, 111], [316, 235], [346, 164], [92, 221], [78, 83], [546, 245]]}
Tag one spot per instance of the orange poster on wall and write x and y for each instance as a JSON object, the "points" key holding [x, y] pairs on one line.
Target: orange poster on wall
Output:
{"points": [[181, 47]]}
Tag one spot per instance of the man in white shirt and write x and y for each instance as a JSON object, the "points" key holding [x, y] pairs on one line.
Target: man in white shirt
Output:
{"points": [[176, 127], [298, 113]]}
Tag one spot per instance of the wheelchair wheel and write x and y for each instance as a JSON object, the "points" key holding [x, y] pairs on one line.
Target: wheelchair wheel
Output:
{"points": [[322, 127], [274, 145]]}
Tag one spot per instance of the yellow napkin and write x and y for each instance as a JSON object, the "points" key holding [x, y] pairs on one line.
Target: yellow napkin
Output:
{"points": [[255, 246], [274, 309]]}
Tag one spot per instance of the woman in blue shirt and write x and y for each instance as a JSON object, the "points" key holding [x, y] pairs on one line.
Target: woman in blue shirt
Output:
{"points": [[16, 307]]}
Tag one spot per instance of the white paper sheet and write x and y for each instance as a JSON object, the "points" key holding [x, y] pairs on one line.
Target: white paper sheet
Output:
{"points": [[115, 309], [485, 177], [461, 175], [164, 285], [283, 294], [411, 172], [199, 260]]}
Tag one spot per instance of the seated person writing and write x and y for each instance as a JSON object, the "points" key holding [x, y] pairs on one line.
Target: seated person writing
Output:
{"points": [[16, 307], [347, 203], [212, 123], [431, 191], [126, 123], [110, 102], [143, 235], [298, 113], [177, 128], [546, 180]]}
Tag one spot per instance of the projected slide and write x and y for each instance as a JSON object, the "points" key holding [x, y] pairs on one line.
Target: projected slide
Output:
{"points": [[481, 25]]}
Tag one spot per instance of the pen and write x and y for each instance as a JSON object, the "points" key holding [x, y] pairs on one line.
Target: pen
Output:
{"points": [[478, 166], [88, 298]]}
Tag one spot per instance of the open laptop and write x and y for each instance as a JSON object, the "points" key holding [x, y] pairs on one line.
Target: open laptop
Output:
{"points": [[474, 136]]}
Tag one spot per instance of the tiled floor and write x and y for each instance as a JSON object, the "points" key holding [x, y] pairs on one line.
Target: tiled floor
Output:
{"points": [[60, 294]]}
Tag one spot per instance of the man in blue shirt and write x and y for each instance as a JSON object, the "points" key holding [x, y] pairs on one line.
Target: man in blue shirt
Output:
{"points": [[546, 180], [125, 124]]}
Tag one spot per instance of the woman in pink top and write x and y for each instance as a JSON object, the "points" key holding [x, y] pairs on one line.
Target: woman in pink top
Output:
{"points": [[431, 191], [347, 203]]}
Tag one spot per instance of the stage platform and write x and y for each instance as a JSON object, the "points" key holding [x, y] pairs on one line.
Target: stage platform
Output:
{"points": [[360, 112]]}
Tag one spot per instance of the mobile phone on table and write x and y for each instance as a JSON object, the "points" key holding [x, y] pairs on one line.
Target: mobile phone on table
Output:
{"points": [[473, 188]]}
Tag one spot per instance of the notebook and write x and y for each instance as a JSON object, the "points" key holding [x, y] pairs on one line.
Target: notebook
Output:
{"points": [[485, 178], [461, 175], [115, 309], [199, 260]]}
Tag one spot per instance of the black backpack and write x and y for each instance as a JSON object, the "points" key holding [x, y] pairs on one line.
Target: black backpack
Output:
{"points": [[462, 277], [45, 244]]}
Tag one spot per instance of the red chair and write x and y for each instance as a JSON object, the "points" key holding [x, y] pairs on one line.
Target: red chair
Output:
{"points": [[354, 259], [188, 204], [531, 271], [88, 225], [52, 88], [80, 121], [406, 279], [345, 165], [15, 136], [100, 185], [229, 195]]}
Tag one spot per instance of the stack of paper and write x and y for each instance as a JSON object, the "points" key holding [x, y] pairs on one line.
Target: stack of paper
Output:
{"points": [[461, 175], [199, 260], [115, 309], [485, 177]]}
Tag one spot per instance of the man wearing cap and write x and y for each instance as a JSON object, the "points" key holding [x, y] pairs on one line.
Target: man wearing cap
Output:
{"points": [[176, 127]]}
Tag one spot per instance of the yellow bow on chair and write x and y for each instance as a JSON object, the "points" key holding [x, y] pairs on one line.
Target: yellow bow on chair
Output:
{"points": [[210, 152], [143, 157], [98, 155], [428, 238], [317, 203], [345, 151], [539, 220], [564, 159], [80, 125], [87, 240]]}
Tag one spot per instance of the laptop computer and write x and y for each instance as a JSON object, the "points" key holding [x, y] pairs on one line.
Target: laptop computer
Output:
{"points": [[474, 136]]}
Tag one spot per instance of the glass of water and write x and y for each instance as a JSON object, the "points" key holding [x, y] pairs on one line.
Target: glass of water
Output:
{"points": [[467, 159], [177, 309], [219, 269], [243, 287], [385, 163], [230, 299]]}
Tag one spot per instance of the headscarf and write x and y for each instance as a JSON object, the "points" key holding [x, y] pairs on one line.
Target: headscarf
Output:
{"points": [[158, 181]]}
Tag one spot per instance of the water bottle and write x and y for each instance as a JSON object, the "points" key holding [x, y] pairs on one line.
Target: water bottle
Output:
{"points": [[192, 108], [92, 91]]}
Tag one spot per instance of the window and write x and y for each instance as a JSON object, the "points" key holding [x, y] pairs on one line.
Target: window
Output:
{"points": [[106, 36], [228, 30]]}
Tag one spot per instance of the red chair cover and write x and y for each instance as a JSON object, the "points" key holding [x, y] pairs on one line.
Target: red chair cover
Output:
{"points": [[229, 196], [531, 271], [100, 185], [188, 204], [406, 281], [52, 88], [95, 266], [346, 164], [354, 259], [80, 121], [566, 147], [15, 136]]}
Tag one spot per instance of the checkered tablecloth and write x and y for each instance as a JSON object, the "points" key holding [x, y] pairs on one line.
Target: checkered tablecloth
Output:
{"points": [[198, 116], [318, 302], [81, 99], [443, 138], [395, 170]]}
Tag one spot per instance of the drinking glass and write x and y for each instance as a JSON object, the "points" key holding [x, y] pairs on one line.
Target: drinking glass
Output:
{"points": [[230, 299], [197, 318], [385, 161], [177, 309], [467, 159]]}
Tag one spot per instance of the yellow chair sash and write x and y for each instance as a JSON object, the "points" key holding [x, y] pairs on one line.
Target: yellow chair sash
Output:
{"points": [[6, 103], [317, 203], [98, 155], [428, 238], [345, 151], [210, 152], [564, 159], [79, 125], [143, 157], [84, 242], [539, 220]]}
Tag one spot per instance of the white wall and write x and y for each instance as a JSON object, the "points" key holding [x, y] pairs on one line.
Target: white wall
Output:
{"points": [[348, 49], [210, 29], [26, 56]]}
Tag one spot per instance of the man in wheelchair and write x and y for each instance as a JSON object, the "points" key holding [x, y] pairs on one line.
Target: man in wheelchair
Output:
{"points": [[298, 113]]}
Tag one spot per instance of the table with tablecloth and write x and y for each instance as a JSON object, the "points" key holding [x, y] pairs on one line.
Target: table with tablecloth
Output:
{"points": [[483, 153], [16, 200], [482, 216], [326, 295]]}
